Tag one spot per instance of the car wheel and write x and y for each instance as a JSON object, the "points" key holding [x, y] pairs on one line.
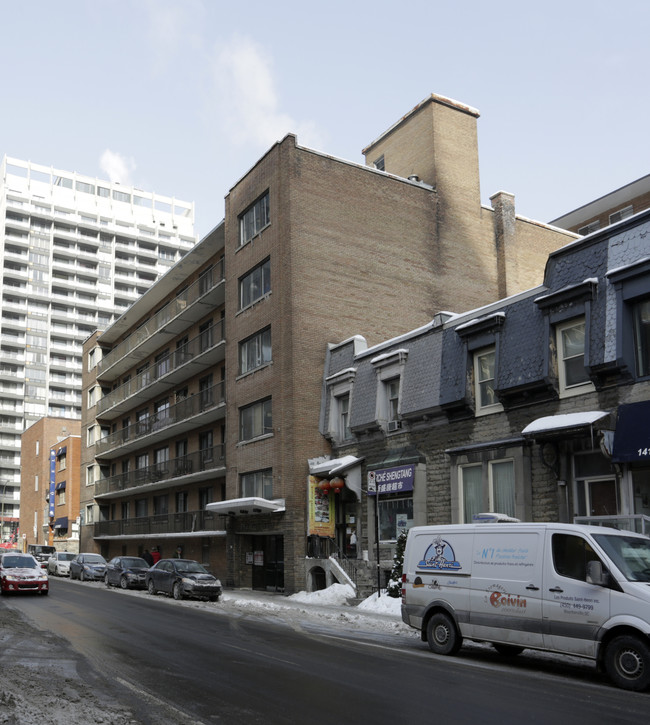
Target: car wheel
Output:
{"points": [[151, 588], [82, 576], [124, 583], [442, 635], [627, 661], [508, 650], [108, 584], [177, 591]]}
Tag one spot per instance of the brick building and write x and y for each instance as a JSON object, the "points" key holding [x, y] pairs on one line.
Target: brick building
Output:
{"points": [[51, 463], [312, 248], [535, 407]]}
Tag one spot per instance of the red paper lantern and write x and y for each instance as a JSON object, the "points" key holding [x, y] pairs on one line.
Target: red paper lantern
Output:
{"points": [[337, 484], [325, 486]]}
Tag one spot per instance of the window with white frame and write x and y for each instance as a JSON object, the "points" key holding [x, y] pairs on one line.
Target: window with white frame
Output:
{"points": [[343, 416], [93, 395], [389, 369], [255, 284], [255, 420], [257, 484], [90, 514], [62, 461], [572, 374], [641, 321], [485, 487], [392, 399], [255, 351], [90, 475], [254, 219], [485, 381]]}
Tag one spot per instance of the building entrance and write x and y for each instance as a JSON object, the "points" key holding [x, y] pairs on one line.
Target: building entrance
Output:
{"points": [[268, 563]]}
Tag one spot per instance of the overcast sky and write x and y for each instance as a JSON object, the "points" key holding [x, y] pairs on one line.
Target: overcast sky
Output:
{"points": [[182, 97]]}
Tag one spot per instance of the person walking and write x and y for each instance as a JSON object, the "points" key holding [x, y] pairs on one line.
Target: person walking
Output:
{"points": [[147, 557], [155, 555]]}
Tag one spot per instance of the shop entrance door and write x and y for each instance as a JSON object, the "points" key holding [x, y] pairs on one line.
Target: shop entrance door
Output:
{"points": [[268, 563]]}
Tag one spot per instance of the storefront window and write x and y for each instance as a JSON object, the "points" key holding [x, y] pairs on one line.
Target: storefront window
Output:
{"points": [[395, 516]]}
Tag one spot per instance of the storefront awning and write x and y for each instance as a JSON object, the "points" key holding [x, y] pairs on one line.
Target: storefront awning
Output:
{"points": [[61, 523], [62, 451], [553, 426], [632, 436], [60, 486], [246, 506]]}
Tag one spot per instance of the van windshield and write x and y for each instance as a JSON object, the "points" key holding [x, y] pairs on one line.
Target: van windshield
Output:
{"points": [[631, 555]]}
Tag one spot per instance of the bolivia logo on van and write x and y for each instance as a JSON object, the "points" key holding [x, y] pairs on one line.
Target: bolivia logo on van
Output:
{"points": [[439, 556], [499, 598]]}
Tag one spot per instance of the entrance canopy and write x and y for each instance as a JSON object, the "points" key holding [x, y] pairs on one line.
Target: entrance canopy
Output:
{"points": [[244, 506], [553, 426], [348, 465]]}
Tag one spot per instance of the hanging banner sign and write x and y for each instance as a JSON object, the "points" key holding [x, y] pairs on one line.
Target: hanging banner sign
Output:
{"points": [[391, 480], [321, 510]]}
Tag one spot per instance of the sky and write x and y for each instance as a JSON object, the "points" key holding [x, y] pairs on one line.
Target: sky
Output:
{"points": [[182, 97]]}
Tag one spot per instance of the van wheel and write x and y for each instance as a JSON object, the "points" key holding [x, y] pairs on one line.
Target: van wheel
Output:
{"points": [[508, 650], [627, 661], [442, 635]]}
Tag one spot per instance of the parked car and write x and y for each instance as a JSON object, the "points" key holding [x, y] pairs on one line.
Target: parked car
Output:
{"points": [[182, 578], [41, 553], [22, 573], [127, 572], [59, 563], [91, 567]]}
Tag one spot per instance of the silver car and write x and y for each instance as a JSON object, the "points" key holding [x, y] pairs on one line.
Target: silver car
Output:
{"points": [[59, 563]]}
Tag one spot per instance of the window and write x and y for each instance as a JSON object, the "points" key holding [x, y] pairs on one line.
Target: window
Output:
{"points": [[161, 505], [181, 502], [380, 163], [254, 219], [484, 377], [499, 496], [90, 514], [343, 411], [254, 285], [572, 374], [258, 484], [206, 398], [392, 399], [589, 228], [255, 351], [255, 420], [206, 496], [90, 475], [206, 453], [621, 214], [125, 510], [641, 321], [571, 555], [162, 363], [205, 336], [62, 461], [141, 507], [395, 516]]}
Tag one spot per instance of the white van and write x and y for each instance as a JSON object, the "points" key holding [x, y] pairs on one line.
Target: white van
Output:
{"points": [[580, 590]]}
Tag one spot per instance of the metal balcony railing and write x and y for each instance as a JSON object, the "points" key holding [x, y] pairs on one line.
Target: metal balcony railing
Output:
{"points": [[192, 294], [209, 459], [625, 522], [180, 523], [184, 410], [195, 347]]}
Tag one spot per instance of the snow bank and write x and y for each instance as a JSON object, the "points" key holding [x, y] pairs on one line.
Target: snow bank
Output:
{"points": [[335, 594]]}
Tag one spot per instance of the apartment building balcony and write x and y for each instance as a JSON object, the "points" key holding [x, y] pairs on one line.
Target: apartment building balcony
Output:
{"points": [[189, 307], [187, 523], [201, 352], [192, 468], [205, 407]]}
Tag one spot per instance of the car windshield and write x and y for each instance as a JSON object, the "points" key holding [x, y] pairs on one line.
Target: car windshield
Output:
{"points": [[190, 567], [19, 562], [94, 559], [631, 554], [65, 556], [134, 562]]}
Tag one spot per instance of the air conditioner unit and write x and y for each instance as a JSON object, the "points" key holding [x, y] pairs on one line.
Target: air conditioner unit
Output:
{"points": [[394, 425]]}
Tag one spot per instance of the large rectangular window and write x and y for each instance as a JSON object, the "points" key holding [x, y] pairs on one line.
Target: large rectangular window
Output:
{"points": [[395, 516], [255, 420], [255, 284], [255, 352], [484, 377], [258, 484], [254, 219], [499, 496]]}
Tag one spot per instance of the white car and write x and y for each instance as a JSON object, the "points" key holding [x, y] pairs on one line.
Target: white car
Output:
{"points": [[59, 563]]}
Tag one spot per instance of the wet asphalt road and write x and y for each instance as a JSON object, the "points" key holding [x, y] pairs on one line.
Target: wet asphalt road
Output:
{"points": [[178, 664]]}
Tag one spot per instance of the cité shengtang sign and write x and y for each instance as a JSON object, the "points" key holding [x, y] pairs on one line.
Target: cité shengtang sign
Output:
{"points": [[391, 480]]}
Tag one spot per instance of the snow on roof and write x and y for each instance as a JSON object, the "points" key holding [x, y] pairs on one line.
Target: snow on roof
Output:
{"points": [[567, 420]]}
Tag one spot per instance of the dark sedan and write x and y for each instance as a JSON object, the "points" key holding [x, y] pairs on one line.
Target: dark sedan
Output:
{"points": [[22, 573], [183, 578], [88, 567], [126, 572]]}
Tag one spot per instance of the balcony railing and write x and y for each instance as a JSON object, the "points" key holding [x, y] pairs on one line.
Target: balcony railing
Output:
{"points": [[208, 281], [181, 523], [202, 402], [191, 464], [195, 347], [625, 522]]}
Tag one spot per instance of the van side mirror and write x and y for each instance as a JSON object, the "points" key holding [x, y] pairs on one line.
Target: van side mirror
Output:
{"points": [[596, 575]]}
